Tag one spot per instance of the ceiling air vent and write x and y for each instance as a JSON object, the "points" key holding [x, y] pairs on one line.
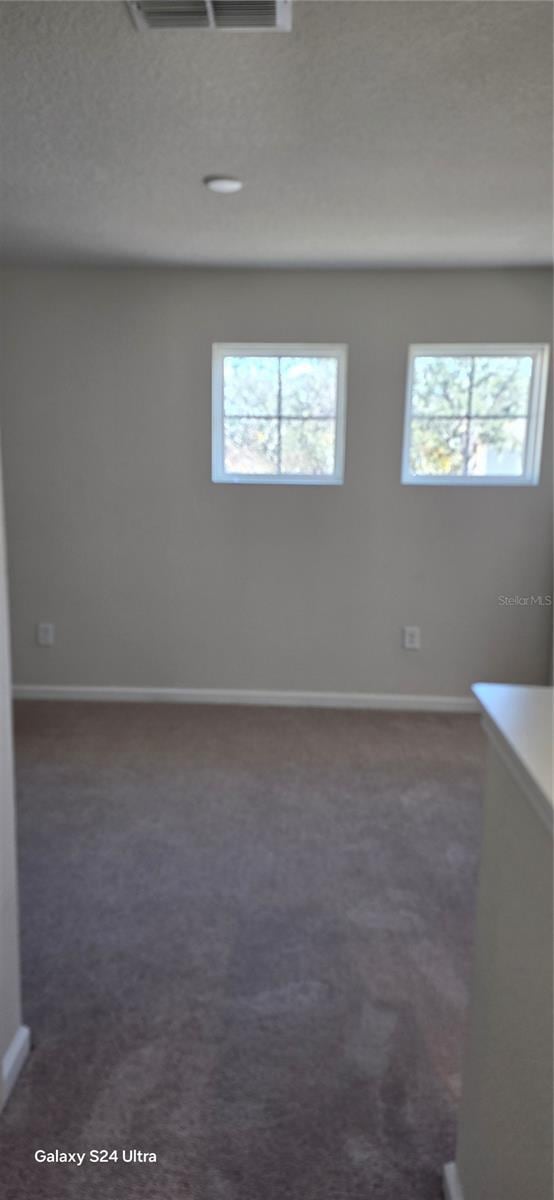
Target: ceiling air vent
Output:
{"points": [[211, 14]]}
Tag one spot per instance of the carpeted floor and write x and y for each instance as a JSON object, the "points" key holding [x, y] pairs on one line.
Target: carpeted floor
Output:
{"points": [[246, 936]]}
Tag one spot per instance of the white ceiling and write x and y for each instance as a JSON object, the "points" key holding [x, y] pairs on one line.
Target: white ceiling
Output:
{"points": [[376, 133]]}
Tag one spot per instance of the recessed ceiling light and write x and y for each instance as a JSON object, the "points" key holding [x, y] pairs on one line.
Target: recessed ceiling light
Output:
{"points": [[224, 184]]}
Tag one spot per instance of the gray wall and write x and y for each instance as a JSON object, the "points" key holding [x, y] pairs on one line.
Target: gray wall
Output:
{"points": [[155, 576]]}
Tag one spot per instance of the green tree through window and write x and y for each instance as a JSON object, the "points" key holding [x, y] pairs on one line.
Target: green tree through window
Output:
{"points": [[469, 414]]}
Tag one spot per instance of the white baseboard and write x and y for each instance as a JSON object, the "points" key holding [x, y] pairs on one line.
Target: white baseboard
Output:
{"points": [[451, 1183], [368, 700], [13, 1061]]}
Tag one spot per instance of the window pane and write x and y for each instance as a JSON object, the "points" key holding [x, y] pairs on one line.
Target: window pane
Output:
{"points": [[502, 385], [470, 412], [309, 387], [497, 447], [440, 385], [251, 446], [308, 447], [437, 446], [250, 386]]}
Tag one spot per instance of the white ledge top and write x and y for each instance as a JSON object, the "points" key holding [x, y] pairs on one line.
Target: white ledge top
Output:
{"points": [[522, 720]]}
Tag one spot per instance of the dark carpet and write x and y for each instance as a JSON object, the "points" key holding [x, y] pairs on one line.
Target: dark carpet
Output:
{"points": [[246, 936]]}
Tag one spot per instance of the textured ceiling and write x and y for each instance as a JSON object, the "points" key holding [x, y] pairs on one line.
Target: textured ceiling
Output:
{"points": [[375, 133]]}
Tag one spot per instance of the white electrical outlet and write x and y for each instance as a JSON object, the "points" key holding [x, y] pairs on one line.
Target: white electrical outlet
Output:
{"points": [[46, 633], [411, 637]]}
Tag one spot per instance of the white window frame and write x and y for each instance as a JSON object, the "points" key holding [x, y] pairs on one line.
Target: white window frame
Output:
{"points": [[221, 350], [540, 353]]}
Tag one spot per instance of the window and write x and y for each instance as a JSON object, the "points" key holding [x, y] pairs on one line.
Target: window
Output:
{"points": [[278, 414], [474, 414]]}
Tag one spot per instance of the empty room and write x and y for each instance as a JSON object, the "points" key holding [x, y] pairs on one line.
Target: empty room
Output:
{"points": [[276, 597]]}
